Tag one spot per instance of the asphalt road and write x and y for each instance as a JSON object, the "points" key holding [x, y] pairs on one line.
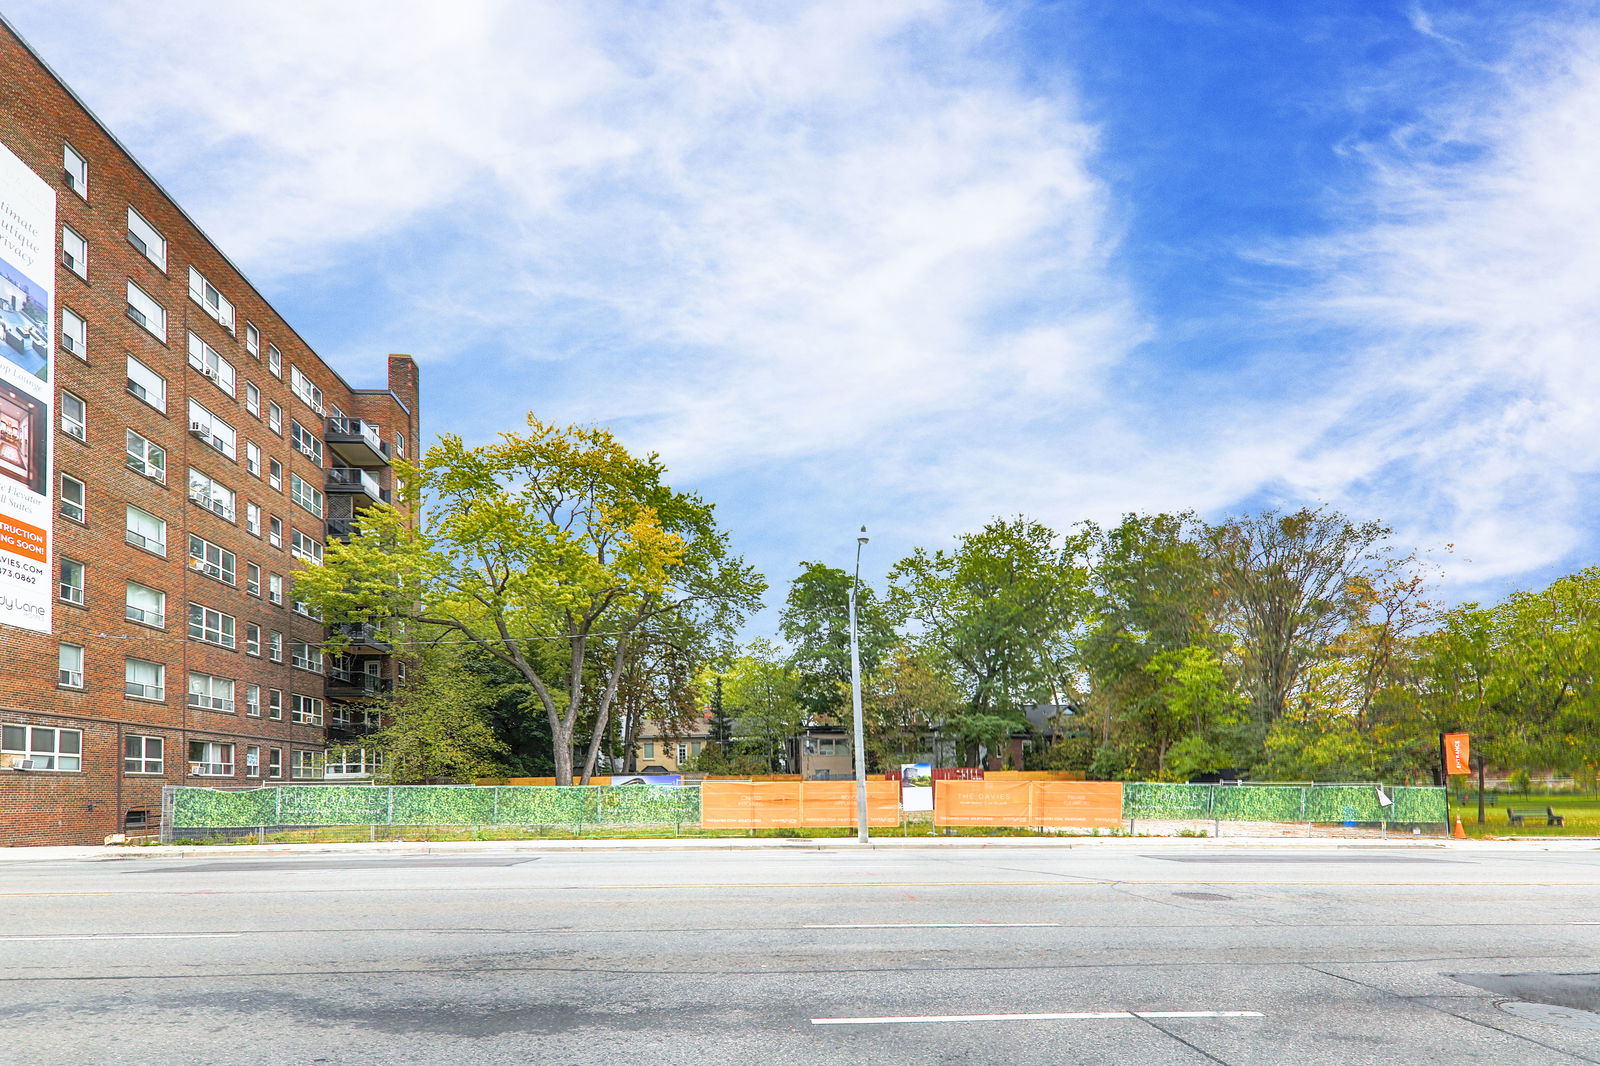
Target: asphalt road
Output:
{"points": [[1136, 955]]}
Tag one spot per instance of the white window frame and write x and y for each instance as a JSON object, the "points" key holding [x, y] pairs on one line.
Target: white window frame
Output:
{"points": [[74, 333], [32, 746], [275, 417], [305, 656], [252, 760], [307, 495], [252, 639], [216, 758], [252, 579], [211, 365], [211, 494], [275, 704], [275, 646], [213, 431], [252, 519], [211, 692], [147, 311], [274, 763], [212, 560], [306, 765], [69, 665], [252, 399], [70, 591], [74, 416], [137, 757], [141, 539], [75, 252], [210, 299], [305, 547], [305, 390], [155, 691], [146, 239], [145, 384], [275, 361], [153, 616], [252, 459], [275, 531], [76, 509], [211, 626], [305, 442], [146, 457], [275, 474], [252, 701], [74, 170]]}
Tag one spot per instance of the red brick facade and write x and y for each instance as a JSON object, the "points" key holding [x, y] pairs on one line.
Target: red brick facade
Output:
{"points": [[38, 115]]}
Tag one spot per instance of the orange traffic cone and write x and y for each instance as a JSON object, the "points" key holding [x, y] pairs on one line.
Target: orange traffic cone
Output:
{"points": [[1460, 833]]}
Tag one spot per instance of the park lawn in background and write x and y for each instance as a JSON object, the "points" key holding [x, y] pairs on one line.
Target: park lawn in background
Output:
{"points": [[1582, 814]]}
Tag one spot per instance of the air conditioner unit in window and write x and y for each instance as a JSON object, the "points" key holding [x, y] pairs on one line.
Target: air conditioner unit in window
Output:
{"points": [[200, 428], [208, 372], [27, 764]]}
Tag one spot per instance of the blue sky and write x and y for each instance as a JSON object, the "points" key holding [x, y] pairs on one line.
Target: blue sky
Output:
{"points": [[916, 263]]}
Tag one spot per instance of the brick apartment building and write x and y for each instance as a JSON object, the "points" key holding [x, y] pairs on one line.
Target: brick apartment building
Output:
{"points": [[191, 449]]}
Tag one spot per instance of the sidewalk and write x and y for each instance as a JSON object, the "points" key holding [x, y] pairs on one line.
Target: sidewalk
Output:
{"points": [[134, 853]]}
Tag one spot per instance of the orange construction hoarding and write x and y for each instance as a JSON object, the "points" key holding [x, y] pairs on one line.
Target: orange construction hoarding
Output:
{"points": [[795, 804], [1033, 804], [1457, 753]]}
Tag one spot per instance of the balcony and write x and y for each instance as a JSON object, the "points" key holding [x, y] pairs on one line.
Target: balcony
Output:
{"points": [[348, 683], [362, 635], [356, 442], [341, 528], [350, 481]]}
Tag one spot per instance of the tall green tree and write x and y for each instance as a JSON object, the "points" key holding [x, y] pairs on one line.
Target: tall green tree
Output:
{"points": [[541, 547], [762, 693], [905, 696], [1002, 612], [816, 623], [438, 723]]}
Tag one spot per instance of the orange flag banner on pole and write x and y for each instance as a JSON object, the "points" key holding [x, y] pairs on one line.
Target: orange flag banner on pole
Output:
{"points": [[1457, 753]]}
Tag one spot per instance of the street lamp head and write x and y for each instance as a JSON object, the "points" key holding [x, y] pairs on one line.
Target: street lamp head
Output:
{"points": [[863, 538]]}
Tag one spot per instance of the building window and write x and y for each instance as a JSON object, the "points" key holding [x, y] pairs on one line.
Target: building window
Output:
{"points": [[71, 581], [275, 418], [252, 760], [74, 416], [302, 492], [649, 749], [145, 605], [211, 626], [275, 532], [275, 762], [74, 252], [143, 309], [72, 498], [252, 700], [275, 361], [74, 334], [275, 646], [141, 755], [683, 752], [306, 657], [307, 764], [252, 341], [143, 236], [252, 639], [252, 459], [399, 443], [275, 589], [49, 749], [210, 300], [211, 494], [75, 170], [146, 458], [210, 759], [307, 710], [146, 384], [252, 579], [213, 430], [353, 762], [144, 680], [275, 704], [275, 474], [69, 663], [302, 387], [306, 442], [304, 548], [210, 693], [212, 366], [211, 559], [145, 530]]}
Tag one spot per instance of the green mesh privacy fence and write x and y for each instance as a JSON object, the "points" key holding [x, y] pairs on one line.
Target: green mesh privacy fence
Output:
{"points": [[416, 805], [1283, 803]]}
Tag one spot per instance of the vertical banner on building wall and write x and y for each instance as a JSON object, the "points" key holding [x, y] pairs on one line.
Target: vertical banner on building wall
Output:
{"points": [[27, 288]]}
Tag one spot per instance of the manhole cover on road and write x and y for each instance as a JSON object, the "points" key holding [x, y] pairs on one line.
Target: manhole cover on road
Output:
{"points": [[1202, 895], [1570, 1017]]}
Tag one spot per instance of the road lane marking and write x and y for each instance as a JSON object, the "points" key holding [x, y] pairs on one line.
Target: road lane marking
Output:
{"points": [[939, 925], [126, 936], [1069, 1016]]}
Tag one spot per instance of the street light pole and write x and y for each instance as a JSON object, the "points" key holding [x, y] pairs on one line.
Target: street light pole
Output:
{"points": [[855, 692]]}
